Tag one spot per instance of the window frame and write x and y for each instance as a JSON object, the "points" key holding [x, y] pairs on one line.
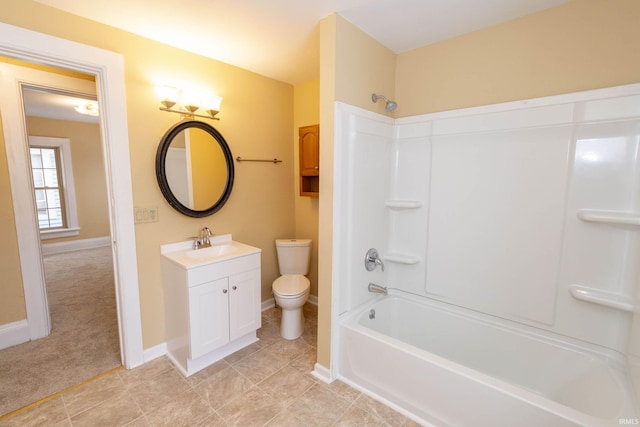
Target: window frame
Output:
{"points": [[68, 188]]}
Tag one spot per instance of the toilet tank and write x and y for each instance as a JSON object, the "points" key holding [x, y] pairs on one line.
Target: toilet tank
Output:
{"points": [[293, 255]]}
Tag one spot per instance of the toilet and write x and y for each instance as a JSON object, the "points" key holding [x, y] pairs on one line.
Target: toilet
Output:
{"points": [[291, 289]]}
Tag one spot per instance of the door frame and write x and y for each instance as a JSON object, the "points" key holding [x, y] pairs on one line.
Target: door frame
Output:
{"points": [[108, 69]]}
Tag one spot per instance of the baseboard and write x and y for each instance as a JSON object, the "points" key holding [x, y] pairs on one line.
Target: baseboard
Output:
{"points": [[322, 373], [154, 352], [313, 300], [75, 245], [14, 333]]}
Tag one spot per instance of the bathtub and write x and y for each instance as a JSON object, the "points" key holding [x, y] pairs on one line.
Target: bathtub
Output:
{"points": [[446, 366]]}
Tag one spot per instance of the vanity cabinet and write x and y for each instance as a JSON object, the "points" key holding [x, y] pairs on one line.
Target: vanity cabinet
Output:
{"points": [[211, 310], [222, 311]]}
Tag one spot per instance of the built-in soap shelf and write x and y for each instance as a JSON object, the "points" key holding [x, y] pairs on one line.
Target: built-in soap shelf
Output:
{"points": [[401, 258], [403, 204], [606, 298], [610, 217]]}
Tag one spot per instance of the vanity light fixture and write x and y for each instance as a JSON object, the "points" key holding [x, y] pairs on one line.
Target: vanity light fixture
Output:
{"points": [[191, 101], [88, 108]]}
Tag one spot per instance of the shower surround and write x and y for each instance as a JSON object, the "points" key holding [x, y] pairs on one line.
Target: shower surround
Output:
{"points": [[524, 214]]}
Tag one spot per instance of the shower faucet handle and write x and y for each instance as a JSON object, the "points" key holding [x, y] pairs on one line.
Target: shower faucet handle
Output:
{"points": [[372, 260]]}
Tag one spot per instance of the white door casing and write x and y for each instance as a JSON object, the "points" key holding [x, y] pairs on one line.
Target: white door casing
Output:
{"points": [[108, 69]]}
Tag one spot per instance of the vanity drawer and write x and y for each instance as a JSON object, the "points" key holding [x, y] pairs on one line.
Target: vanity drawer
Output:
{"points": [[213, 271]]}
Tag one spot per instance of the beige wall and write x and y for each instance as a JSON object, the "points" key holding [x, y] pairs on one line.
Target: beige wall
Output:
{"points": [[88, 173], [584, 44], [12, 307], [306, 111], [352, 67], [261, 207]]}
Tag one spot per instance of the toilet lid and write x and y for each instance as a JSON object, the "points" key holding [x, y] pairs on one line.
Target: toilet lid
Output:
{"points": [[291, 284]]}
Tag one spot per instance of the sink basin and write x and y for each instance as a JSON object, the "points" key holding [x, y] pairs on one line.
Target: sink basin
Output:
{"points": [[222, 249], [212, 251]]}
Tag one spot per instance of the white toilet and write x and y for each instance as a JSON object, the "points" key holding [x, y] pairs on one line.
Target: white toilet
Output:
{"points": [[291, 290]]}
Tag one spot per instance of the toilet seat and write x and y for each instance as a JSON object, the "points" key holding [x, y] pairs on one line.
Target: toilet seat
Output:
{"points": [[291, 285]]}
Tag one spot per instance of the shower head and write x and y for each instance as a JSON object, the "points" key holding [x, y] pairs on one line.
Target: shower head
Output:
{"points": [[390, 104]]}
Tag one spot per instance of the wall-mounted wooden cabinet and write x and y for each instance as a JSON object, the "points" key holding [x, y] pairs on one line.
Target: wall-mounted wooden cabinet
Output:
{"points": [[309, 139]]}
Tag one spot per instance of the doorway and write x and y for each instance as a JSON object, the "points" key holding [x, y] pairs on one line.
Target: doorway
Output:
{"points": [[74, 230], [108, 69]]}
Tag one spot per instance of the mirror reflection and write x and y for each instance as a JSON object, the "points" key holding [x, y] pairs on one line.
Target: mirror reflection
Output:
{"points": [[194, 168]]}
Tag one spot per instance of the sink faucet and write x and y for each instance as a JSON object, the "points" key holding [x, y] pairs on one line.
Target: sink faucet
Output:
{"points": [[205, 237], [377, 288]]}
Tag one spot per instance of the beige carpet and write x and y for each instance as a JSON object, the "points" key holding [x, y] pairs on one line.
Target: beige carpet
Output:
{"points": [[84, 338]]}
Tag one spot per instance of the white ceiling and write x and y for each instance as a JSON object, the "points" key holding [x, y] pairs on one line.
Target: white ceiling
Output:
{"points": [[54, 105], [280, 38]]}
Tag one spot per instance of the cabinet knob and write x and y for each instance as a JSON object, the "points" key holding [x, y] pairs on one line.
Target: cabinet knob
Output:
{"points": [[234, 287], [224, 291]]}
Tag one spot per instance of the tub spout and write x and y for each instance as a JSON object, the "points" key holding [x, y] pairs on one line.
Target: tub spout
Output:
{"points": [[377, 288]]}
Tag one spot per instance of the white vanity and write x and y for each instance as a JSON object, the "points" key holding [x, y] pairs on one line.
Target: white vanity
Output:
{"points": [[212, 300]]}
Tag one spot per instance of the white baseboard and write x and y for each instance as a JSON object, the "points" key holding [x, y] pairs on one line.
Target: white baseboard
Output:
{"points": [[154, 352], [322, 373], [14, 333], [75, 245]]}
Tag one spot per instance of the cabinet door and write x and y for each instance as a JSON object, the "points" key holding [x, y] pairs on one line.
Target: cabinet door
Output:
{"points": [[208, 317], [244, 303], [309, 138]]}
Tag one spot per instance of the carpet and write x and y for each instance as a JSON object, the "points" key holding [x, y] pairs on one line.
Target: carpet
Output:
{"points": [[84, 339]]}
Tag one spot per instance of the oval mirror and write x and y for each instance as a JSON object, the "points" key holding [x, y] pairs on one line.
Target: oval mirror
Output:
{"points": [[194, 168]]}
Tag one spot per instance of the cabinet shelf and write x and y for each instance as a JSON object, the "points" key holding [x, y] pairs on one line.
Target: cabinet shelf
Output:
{"points": [[597, 296], [401, 258], [403, 204], [610, 217]]}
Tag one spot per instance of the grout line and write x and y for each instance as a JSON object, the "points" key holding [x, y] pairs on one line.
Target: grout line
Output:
{"points": [[59, 393]]}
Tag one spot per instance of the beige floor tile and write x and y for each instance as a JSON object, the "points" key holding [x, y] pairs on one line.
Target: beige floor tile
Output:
{"points": [[213, 421], [253, 408], [138, 422], [258, 366], [133, 377], [286, 418], [272, 315], [384, 412], [306, 361], [222, 387], [92, 393], [158, 390], [319, 407], [207, 373], [287, 350], [355, 416], [186, 410], [343, 390], [117, 411], [268, 334], [50, 412], [286, 385], [242, 353]]}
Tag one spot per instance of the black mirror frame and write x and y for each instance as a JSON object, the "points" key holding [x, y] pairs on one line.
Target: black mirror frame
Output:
{"points": [[161, 175]]}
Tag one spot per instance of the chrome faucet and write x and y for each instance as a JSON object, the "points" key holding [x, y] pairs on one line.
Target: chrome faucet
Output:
{"points": [[372, 260], [205, 237], [377, 288]]}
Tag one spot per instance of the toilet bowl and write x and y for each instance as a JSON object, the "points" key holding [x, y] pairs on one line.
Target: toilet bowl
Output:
{"points": [[291, 290]]}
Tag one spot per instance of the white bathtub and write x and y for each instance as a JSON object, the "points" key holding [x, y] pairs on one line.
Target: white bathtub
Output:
{"points": [[448, 367]]}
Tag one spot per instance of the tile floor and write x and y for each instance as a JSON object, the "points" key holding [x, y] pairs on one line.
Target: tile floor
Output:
{"points": [[265, 384]]}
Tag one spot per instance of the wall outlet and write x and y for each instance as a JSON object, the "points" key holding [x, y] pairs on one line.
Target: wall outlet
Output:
{"points": [[143, 215]]}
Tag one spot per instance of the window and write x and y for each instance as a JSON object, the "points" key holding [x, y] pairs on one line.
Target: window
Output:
{"points": [[53, 187]]}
